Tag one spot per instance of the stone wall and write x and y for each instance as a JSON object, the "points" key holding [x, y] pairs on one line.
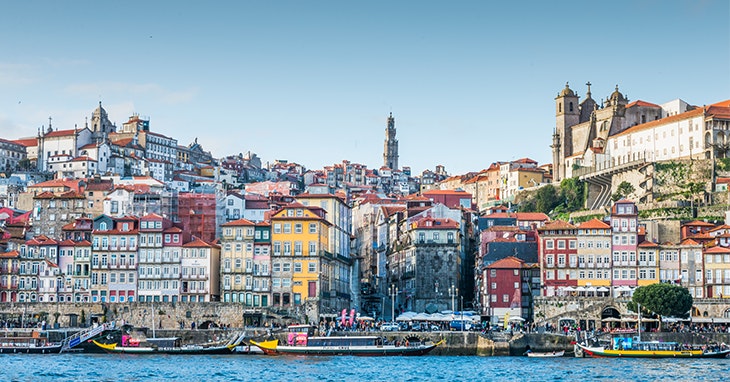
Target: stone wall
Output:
{"points": [[165, 315], [552, 309]]}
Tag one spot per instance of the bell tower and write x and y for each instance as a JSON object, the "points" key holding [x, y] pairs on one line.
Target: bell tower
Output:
{"points": [[567, 115], [390, 151]]}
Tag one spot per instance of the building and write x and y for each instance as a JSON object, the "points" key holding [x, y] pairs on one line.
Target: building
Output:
{"points": [[510, 286], [594, 254], [200, 276], [306, 277], [236, 270], [625, 228], [159, 260], [11, 154], [558, 252], [390, 150]]}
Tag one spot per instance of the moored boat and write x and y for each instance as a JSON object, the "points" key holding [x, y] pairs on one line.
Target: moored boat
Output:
{"points": [[654, 349], [300, 342], [35, 344], [164, 346], [548, 354]]}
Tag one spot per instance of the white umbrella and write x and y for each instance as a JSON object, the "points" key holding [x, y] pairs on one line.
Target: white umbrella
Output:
{"points": [[580, 289], [602, 289], [516, 318], [569, 289]]}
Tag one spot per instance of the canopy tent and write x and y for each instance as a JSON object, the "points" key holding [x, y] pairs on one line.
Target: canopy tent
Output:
{"points": [[516, 319], [365, 318], [602, 289]]}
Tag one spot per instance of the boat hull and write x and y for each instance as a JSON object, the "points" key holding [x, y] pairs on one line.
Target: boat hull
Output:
{"points": [[51, 349], [273, 348], [546, 354], [603, 353], [113, 348]]}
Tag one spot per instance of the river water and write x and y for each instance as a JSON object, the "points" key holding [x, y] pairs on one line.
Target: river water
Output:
{"points": [[108, 367]]}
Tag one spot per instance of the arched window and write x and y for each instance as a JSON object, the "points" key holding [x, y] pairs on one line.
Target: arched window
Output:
{"points": [[571, 106], [560, 108]]}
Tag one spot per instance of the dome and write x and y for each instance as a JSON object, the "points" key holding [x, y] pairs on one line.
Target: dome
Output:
{"points": [[567, 91], [616, 96], [99, 111]]}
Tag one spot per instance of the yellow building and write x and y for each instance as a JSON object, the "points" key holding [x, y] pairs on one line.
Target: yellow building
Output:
{"points": [[648, 266], [304, 272], [594, 254], [717, 272]]}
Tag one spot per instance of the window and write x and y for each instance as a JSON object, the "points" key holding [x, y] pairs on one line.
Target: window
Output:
{"points": [[312, 227], [298, 228], [312, 267]]}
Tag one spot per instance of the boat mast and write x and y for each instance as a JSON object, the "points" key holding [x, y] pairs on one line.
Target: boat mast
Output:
{"points": [[638, 329]]}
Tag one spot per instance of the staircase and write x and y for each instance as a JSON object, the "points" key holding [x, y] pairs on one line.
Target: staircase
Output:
{"points": [[84, 335]]}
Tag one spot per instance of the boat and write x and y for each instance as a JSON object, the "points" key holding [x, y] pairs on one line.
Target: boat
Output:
{"points": [[655, 349], [33, 344], [300, 341], [624, 345], [548, 354], [169, 345]]}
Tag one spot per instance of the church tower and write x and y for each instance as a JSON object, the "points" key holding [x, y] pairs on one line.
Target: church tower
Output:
{"points": [[567, 115], [101, 127], [390, 152]]}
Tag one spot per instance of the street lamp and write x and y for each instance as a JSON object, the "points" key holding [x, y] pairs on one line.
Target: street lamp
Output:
{"points": [[461, 309], [453, 292], [393, 292]]}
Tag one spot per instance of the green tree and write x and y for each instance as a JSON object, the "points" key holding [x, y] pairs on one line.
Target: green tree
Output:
{"points": [[663, 299], [546, 199], [572, 192], [623, 190]]}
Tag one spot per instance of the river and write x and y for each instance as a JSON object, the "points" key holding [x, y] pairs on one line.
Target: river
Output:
{"points": [[106, 367]]}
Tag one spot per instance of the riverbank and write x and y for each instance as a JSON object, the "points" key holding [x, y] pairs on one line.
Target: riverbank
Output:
{"points": [[455, 343]]}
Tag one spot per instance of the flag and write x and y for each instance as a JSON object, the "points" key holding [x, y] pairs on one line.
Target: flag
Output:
{"points": [[352, 316], [344, 313]]}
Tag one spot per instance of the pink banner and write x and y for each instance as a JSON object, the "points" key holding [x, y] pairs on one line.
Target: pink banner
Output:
{"points": [[344, 313], [352, 316]]}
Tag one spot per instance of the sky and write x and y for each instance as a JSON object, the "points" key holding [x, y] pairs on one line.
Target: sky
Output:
{"points": [[312, 82]]}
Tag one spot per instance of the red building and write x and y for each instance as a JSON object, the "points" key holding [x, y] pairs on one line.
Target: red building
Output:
{"points": [[509, 288], [450, 198], [197, 215], [557, 253]]}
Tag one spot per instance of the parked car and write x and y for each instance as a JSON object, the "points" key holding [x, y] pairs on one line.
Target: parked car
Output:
{"points": [[460, 325], [424, 327], [389, 327]]}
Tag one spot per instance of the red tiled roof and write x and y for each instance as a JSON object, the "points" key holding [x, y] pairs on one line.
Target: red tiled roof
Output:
{"points": [[556, 224], [197, 243], [698, 223], [509, 262], [648, 244], [720, 110], [717, 249], [239, 222], [594, 224], [642, 103], [434, 223]]}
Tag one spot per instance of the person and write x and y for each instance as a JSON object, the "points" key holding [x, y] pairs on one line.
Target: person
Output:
{"points": [[192, 325]]}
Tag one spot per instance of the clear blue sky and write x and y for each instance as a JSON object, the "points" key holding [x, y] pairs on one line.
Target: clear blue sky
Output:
{"points": [[469, 82]]}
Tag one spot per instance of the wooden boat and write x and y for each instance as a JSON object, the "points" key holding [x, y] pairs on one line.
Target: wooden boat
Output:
{"points": [[300, 342], [548, 354], [164, 346], [35, 344], [654, 349]]}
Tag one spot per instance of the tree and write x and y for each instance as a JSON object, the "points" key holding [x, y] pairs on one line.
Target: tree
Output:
{"points": [[623, 190], [663, 299]]}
